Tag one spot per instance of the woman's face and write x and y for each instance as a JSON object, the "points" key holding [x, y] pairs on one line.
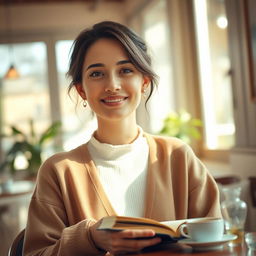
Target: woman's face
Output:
{"points": [[110, 82]]}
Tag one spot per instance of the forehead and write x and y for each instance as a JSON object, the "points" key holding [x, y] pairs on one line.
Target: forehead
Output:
{"points": [[105, 50]]}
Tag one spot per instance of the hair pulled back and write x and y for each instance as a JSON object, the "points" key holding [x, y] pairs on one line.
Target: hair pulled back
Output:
{"points": [[133, 44]]}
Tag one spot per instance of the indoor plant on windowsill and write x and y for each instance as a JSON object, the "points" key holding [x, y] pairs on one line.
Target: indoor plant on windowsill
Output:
{"points": [[31, 146], [182, 125]]}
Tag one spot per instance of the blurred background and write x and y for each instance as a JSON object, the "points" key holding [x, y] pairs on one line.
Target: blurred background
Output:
{"points": [[203, 50]]}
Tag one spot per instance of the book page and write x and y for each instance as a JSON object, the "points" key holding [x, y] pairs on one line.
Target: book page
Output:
{"points": [[175, 224], [165, 227]]}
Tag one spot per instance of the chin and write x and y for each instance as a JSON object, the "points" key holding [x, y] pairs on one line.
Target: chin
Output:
{"points": [[117, 116]]}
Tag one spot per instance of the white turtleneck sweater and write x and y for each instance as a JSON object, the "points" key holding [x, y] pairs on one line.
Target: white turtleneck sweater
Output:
{"points": [[123, 171]]}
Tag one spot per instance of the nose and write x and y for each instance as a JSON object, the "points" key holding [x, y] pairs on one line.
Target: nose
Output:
{"points": [[113, 83]]}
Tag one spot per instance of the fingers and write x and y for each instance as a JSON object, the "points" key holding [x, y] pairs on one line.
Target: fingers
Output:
{"points": [[136, 233], [125, 241]]}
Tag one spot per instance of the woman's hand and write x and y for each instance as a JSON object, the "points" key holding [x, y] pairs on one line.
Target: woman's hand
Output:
{"points": [[118, 242]]}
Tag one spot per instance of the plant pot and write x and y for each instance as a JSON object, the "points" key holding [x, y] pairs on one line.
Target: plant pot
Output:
{"points": [[6, 185]]}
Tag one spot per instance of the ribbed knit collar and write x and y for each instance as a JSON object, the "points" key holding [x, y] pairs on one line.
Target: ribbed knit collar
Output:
{"points": [[109, 151]]}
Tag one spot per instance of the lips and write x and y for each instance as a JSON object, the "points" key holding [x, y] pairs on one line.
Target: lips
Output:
{"points": [[114, 100]]}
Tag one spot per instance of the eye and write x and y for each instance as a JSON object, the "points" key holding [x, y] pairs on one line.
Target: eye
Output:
{"points": [[126, 70], [96, 74]]}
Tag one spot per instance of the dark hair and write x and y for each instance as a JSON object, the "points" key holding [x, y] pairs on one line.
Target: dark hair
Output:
{"points": [[133, 44]]}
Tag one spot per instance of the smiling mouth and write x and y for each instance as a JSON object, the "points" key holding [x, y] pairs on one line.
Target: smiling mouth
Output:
{"points": [[114, 100]]}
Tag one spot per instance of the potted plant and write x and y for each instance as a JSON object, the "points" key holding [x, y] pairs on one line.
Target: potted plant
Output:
{"points": [[182, 125], [30, 146]]}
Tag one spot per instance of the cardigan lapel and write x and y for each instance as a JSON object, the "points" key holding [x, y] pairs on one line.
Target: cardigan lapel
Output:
{"points": [[151, 184], [159, 183], [93, 173]]}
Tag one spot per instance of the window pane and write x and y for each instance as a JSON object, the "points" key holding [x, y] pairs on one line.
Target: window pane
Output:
{"points": [[211, 25], [77, 122], [156, 31], [27, 97]]}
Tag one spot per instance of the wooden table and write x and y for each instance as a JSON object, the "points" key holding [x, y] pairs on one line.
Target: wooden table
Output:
{"points": [[15, 190], [177, 250], [14, 203]]}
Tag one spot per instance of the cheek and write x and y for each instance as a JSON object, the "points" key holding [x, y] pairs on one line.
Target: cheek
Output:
{"points": [[135, 83], [92, 92]]}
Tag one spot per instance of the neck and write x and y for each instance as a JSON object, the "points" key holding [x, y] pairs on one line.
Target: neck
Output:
{"points": [[116, 132]]}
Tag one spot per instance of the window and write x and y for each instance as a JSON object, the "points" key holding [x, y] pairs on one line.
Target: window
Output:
{"points": [[156, 33], [214, 66], [27, 97]]}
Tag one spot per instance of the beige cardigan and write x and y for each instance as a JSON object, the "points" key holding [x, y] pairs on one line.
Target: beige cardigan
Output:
{"points": [[69, 197]]}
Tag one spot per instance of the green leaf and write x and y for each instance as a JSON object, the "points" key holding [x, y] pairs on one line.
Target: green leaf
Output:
{"points": [[3, 166], [196, 122], [16, 131], [32, 131], [17, 147], [28, 145], [51, 132], [181, 125]]}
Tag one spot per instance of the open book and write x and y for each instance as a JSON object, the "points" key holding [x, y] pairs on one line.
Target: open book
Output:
{"points": [[167, 230]]}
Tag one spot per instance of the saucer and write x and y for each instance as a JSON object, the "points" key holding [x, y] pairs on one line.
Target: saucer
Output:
{"points": [[212, 245]]}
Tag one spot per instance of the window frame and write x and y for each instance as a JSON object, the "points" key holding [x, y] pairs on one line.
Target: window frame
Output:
{"points": [[50, 39], [185, 61]]}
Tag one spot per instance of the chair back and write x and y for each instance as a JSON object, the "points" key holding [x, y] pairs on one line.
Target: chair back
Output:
{"points": [[228, 180], [17, 245], [253, 190]]}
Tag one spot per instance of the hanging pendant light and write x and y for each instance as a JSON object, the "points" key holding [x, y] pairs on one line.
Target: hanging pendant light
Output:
{"points": [[12, 72]]}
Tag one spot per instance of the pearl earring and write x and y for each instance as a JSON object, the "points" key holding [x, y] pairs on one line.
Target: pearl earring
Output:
{"points": [[144, 93], [84, 103]]}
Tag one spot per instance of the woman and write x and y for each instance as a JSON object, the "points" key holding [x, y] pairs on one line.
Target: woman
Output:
{"points": [[121, 170]]}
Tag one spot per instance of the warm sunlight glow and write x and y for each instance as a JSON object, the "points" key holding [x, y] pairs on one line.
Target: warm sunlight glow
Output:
{"points": [[222, 22], [205, 69], [215, 80]]}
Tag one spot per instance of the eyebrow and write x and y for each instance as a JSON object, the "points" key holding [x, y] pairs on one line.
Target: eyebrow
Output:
{"points": [[121, 62], [95, 65]]}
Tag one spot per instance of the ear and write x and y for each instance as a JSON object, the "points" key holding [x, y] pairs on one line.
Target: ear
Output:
{"points": [[146, 83], [80, 90]]}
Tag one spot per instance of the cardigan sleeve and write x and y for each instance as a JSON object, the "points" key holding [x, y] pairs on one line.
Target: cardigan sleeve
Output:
{"points": [[48, 232], [203, 191]]}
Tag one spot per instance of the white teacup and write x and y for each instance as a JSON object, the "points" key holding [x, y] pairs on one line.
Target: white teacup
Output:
{"points": [[203, 230]]}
